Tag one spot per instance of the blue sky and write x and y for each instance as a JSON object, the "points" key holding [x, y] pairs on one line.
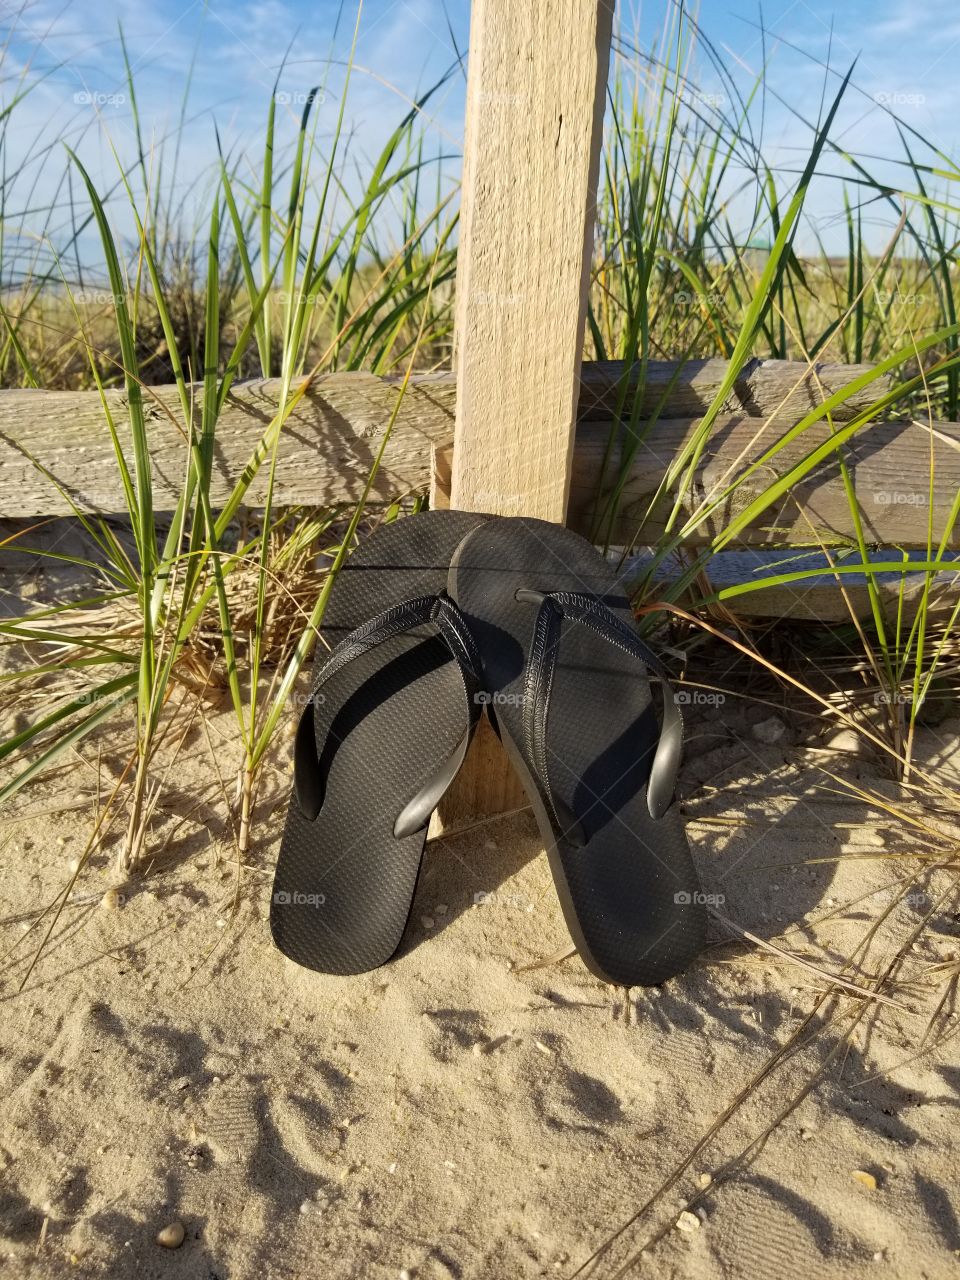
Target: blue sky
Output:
{"points": [[906, 62]]}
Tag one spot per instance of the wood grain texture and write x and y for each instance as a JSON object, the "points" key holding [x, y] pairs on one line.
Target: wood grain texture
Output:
{"points": [[813, 598], [889, 465], [781, 390], [327, 445], [331, 437], [535, 98]]}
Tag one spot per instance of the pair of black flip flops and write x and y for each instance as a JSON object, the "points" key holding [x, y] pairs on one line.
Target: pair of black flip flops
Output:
{"points": [[433, 619]]}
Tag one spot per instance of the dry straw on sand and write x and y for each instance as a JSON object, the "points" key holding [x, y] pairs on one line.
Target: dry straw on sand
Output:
{"points": [[177, 1099]]}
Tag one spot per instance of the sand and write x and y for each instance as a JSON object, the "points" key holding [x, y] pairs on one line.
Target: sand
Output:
{"points": [[457, 1114]]}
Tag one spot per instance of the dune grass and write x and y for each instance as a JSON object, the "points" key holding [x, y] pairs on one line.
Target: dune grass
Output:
{"points": [[306, 295], [673, 280], [289, 279]]}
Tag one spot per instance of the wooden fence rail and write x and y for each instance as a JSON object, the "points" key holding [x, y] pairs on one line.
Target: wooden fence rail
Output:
{"points": [[330, 439]]}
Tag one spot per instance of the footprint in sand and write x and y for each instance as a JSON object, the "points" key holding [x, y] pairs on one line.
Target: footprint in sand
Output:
{"points": [[683, 1053], [756, 1231], [246, 1123], [232, 1122]]}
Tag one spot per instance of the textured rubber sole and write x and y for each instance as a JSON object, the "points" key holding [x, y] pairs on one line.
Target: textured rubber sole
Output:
{"points": [[630, 896], [344, 882]]}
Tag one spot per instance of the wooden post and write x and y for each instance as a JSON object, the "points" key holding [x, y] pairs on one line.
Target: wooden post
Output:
{"points": [[535, 100]]}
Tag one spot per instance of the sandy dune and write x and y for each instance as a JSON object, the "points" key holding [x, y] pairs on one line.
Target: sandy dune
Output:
{"points": [[455, 1114]]}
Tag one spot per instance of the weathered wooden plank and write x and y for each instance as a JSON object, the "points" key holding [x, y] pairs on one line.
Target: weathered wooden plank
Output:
{"points": [[327, 446], [781, 390], [813, 599], [331, 437], [889, 465], [535, 98], [816, 597]]}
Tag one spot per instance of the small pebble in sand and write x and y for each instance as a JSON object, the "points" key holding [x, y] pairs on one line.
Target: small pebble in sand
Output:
{"points": [[112, 899], [405, 1274], [806, 1135], [704, 1180], [688, 1221], [74, 866], [544, 1048], [171, 1236], [769, 731], [427, 921], [392, 1168], [865, 1179], [441, 908]]}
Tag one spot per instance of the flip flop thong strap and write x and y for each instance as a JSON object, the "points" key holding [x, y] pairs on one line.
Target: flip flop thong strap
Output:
{"points": [[589, 611], [437, 611]]}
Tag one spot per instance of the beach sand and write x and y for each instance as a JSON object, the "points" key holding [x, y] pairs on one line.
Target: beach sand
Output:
{"points": [[457, 1114]]}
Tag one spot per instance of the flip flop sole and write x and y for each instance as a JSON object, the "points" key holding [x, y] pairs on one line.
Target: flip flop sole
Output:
{"points": [[344, 882], [630, 894]]}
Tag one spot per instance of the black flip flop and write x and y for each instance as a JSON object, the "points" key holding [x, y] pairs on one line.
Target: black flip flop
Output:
{"points": [[386, 728], [566, 676]]}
